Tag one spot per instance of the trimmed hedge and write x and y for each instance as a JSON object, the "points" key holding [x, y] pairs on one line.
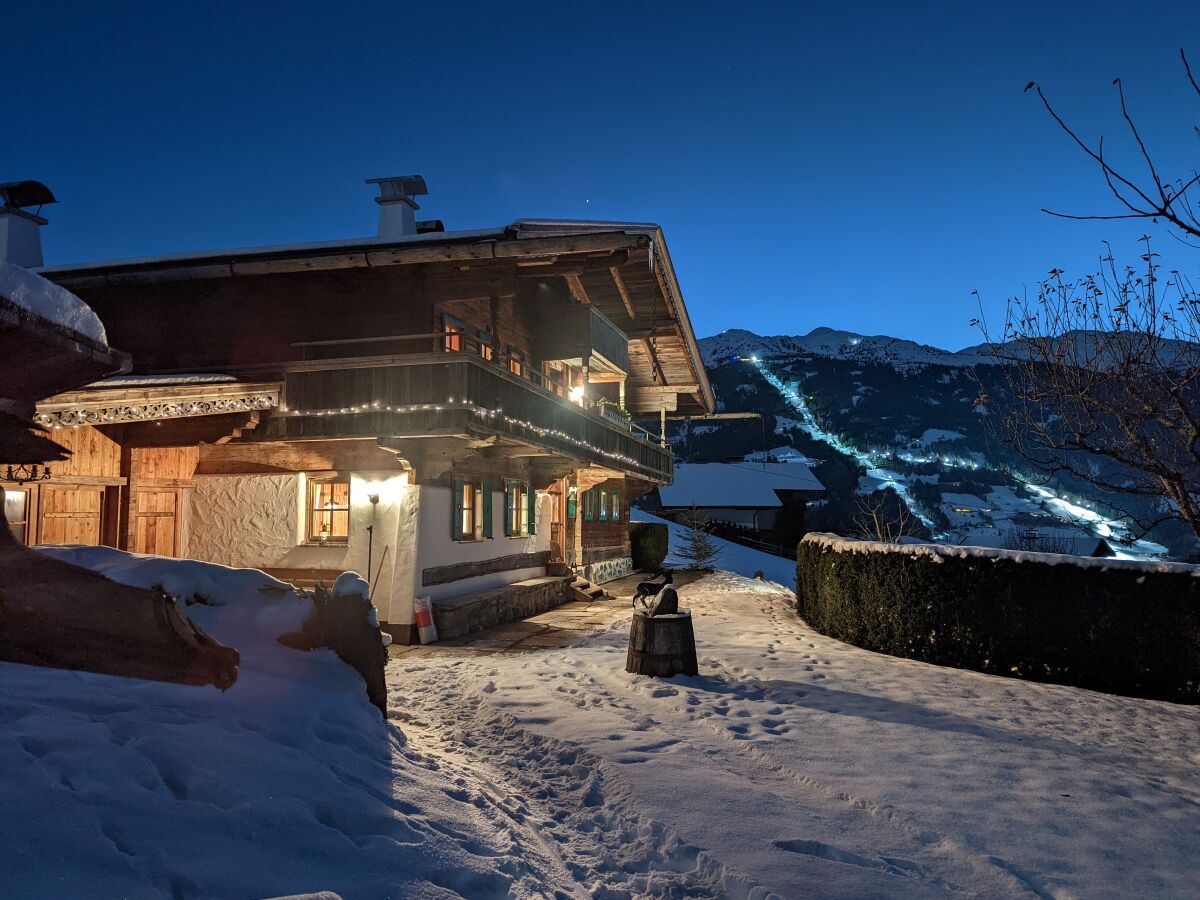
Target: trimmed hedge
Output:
{"points": [[648, 542], [1125, 629]]}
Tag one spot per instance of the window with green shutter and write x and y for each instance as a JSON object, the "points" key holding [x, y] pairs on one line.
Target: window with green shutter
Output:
{"points": [[519, 516], [604, 506], [471, 510]]}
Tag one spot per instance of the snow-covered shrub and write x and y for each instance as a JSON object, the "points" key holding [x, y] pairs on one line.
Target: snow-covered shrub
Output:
{"points": [[1127, 628], [648, 543]]}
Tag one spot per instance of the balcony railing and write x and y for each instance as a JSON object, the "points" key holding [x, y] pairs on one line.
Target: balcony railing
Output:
{"points": [[458, 389]]}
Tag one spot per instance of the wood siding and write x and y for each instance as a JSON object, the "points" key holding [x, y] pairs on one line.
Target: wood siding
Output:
{"points": [[93, 454]]}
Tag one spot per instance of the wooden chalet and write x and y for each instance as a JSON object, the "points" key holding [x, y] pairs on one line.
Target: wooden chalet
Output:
{"points": [[448, 413]]}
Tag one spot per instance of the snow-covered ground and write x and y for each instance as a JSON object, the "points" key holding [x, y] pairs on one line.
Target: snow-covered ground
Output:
{"points": [[798, 766], [732, 557], [793, 766], [289, 782]]}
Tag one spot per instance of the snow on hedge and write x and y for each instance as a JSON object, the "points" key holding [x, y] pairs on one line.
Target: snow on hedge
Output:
{"points": [[46, 299], [938, 552]]}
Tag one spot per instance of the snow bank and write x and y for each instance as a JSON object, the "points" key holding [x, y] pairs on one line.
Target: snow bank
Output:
{"points": [[46, 299], [938, 552], [241, 608], [288, 783]]}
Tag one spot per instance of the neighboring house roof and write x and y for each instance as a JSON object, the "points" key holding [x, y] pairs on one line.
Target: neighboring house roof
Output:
{"points": [[732, 486]]}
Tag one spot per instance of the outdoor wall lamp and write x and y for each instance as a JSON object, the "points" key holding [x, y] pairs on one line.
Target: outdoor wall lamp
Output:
{"points": [[374, 498], [23, 474]]}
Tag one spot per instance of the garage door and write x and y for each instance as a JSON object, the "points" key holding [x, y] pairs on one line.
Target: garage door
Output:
{"points": [[154, 521], [71, 515]]}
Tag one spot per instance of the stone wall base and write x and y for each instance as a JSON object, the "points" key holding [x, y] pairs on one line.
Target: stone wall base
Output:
{"points": [[457, 616], [606, 570]]}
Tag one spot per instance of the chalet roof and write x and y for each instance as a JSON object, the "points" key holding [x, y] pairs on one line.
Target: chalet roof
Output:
{"points": [[736, 486], [667, 355]]}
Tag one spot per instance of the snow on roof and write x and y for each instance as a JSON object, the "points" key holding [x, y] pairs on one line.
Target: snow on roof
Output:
{"points": [[302, 247], [162, 380], [45, 299], [736, 485], [938, 552], [530, 227]]}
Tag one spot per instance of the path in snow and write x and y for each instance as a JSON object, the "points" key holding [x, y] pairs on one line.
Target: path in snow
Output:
{"points": [[799, 766]]}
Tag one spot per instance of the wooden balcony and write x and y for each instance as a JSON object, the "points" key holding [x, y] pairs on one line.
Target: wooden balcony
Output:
{"points": [[578, 334], [444, 394]]}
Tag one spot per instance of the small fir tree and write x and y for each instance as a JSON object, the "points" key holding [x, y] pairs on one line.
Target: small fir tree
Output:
{"points": [[699, 550]]}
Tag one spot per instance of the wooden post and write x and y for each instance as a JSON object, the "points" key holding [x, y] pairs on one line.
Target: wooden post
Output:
{"points": [[662, 645], [662, 421]]}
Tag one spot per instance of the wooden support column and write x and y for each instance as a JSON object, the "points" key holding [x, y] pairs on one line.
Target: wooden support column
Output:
{"points": [[662, 425]]}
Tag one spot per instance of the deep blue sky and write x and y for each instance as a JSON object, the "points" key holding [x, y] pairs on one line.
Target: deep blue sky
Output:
{"points": [[862, 166]]}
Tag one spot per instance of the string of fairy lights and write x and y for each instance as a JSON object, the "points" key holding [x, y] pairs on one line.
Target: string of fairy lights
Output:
{"points": [[482, 412]]}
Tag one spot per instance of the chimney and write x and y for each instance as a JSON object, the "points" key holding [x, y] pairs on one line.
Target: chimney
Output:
{"points": [[20, 238], [396, 204]]}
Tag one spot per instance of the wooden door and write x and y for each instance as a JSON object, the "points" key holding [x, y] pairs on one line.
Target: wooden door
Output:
{"points": [[154, 522], [71, 515]]}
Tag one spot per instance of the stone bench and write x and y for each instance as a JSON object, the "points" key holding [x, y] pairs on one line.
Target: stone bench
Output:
{"points": [[457, 616]]}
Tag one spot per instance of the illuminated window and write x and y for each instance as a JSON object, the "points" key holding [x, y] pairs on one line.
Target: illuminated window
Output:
{"points": [[519, 509], [603, 506], [615, 498], [589, 505], [471, 516], [328, 512], [16, 512], [516, 361], [487, 349], [453, 330]]}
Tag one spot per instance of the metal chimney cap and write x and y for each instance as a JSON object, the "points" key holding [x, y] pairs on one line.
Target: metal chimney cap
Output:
{"points": [[399, 188], [20, 194]]}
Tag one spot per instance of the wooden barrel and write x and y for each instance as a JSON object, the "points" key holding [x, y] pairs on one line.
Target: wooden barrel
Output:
{"points": [[662, 645]]}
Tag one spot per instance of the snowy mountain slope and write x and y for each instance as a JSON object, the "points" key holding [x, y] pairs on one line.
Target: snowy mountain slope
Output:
{"points": [[904, 355], [836, 344]]}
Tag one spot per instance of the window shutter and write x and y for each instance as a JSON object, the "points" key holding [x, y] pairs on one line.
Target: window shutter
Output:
{"points": [[456, 511], [510, 501], [532, 508], [486, 487]]}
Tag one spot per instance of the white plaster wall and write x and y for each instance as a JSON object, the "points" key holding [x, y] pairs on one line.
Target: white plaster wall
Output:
{"points": [[435, 548], [257, 521], [244, 520]]}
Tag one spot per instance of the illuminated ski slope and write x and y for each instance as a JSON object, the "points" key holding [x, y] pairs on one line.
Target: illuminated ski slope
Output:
{"points": [[1094, 522], [889, 478]]}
